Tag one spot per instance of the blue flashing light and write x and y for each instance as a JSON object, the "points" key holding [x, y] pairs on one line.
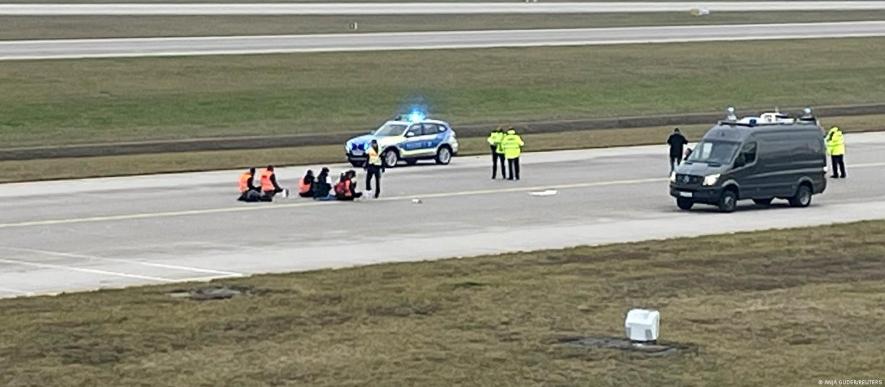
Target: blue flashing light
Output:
{"points": [[416, 116]]}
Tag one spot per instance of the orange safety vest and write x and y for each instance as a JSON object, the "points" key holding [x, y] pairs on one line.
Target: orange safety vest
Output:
{"points": [[266, 184], [343, 188], [303, 188], [245, 179]]}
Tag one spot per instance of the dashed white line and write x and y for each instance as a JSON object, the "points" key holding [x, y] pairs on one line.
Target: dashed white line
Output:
{"points": [[16, 291], [84, 270], [313, 203], [126, 261]]}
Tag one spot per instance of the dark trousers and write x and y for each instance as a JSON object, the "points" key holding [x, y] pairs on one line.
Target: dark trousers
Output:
{"points": [[267, 196], [838, 165], [674, 161], [356, 195], [373, 170], [251, 195], [514, 168], [496, 159]]}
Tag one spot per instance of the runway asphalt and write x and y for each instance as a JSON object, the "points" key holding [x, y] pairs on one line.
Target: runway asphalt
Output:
{"points": [[137, 47], [418, 8], [84, 234]]}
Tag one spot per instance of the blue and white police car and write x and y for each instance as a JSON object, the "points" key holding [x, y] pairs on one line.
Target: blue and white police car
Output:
{"points": [[408, 138]]}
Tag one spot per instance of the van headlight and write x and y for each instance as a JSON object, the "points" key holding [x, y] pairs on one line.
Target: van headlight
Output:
{"points": [[711, 179]]}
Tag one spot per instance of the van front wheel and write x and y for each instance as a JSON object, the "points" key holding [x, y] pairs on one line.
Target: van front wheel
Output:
{"points": [[684, 204], [728, 201]]}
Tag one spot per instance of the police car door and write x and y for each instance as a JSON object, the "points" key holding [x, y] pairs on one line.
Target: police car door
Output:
{"points": [[415, 143], [434, 134]]}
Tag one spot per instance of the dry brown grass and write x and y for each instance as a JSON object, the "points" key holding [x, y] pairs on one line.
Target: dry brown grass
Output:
{"points": [[767, 308]]}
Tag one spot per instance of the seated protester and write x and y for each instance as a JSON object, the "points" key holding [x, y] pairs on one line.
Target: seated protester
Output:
{"points": [[269, 185], [248, 191], [321, 187], [305, 185], [346, 188]]}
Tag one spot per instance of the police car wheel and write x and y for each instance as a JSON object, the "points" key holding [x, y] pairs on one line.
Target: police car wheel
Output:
{"points": [[390, 158], [443, 155]]}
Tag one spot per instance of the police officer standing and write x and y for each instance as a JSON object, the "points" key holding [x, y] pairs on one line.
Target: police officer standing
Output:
{"points": [[836, 149], [374, 168], [497, 151], [677, 144], [512, 145]]}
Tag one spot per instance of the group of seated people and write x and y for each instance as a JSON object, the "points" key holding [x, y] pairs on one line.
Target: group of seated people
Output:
{"points": [[317, 187]]}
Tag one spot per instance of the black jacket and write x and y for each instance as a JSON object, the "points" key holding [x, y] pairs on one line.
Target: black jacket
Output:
{"points": [[677, 144], [321, 186]]}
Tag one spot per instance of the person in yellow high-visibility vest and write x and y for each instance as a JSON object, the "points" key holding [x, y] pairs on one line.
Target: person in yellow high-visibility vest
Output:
{"points": [[374, 168], [512, 145], [494, 141], [836, 149]]}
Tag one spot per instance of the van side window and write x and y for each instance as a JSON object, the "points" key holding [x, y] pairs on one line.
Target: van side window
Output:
{"points": [[748, 153]]}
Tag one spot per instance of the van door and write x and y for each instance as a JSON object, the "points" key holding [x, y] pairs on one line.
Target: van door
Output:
{"points": [[744, 171]]}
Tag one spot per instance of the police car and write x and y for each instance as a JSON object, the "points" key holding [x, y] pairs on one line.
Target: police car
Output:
{"points": [[407, 138]]}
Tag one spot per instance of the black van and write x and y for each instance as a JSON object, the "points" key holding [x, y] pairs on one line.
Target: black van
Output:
{"points": [[761, 158]]}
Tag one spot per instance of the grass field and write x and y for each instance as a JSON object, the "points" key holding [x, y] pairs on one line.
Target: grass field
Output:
{"points": [[783, 308], [28, 27], [88, 101], [68, 168]]}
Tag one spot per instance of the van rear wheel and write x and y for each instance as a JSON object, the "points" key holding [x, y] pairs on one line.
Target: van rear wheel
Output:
{"points": [[803, 196], [684, 204]]}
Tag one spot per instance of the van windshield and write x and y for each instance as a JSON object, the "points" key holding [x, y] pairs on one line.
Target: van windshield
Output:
{"points": [[714, 152], [390, 129]]}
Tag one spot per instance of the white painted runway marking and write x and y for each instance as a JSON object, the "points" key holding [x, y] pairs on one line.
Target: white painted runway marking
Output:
{"points": [[16, 291], [428, 40], [134, 262], [84, 270], [259, 207]]}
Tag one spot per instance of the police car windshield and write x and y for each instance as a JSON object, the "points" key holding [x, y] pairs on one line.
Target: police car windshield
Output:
{"points": [[390, 129], [713, 152]]}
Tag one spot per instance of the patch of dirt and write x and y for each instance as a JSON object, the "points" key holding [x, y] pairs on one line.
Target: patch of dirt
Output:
{"points": [[209, 293], [617, 343]]}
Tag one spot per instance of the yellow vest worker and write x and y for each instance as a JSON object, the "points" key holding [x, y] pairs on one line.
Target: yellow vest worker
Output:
{"points": [[494, 140], [374, 157], [374, 168], [512, 145], [836, 149], [835, 142]]}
